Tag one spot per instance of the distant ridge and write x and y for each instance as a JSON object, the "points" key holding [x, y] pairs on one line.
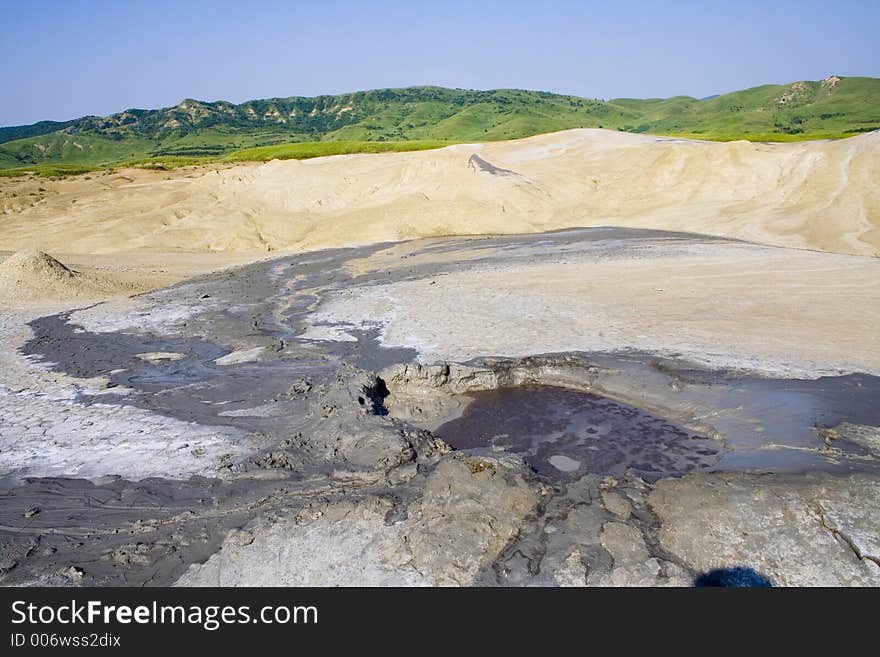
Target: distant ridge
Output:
{"points": [[833, 107]]}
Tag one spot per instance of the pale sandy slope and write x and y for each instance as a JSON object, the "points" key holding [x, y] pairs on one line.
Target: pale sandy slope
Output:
{"points": [[819, 195]]}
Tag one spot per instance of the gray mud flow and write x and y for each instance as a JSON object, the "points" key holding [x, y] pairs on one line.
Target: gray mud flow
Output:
{"points": [[295, 404], [257, 306], [767, 424], [265, 305]]}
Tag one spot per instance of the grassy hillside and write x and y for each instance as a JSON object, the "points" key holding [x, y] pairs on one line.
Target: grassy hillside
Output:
{"points": [[195, 130], [835, 106]]}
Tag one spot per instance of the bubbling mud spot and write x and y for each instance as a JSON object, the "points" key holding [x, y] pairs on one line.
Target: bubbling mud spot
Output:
{"points": [[563, 434]]}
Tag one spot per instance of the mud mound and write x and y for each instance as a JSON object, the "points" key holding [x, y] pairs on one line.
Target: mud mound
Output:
{"points": [[33, 276], [34, 266]]}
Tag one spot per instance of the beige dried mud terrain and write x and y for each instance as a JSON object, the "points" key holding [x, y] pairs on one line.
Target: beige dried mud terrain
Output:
{"points": [[580, 407], [815, 195]]}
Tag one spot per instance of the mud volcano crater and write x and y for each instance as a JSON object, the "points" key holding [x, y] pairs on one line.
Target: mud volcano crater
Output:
{"points": [[563, 433]]}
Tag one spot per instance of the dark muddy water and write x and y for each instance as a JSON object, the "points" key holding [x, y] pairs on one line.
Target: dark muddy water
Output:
{"points": [[565, 433]]}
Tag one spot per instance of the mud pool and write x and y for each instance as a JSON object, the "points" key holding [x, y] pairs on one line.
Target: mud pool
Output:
{"points": [[564, 433]]}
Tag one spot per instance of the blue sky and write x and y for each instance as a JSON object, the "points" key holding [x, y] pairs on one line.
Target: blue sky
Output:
{"points": [[61, 60]]}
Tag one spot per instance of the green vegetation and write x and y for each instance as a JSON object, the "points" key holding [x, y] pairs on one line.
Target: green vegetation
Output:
{"points": [[306, 150], [834, 108], [295, 151], [424, 117], [49, 170]]}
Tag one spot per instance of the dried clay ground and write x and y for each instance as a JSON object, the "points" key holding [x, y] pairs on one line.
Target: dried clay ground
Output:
{"points": [[248, 374]]}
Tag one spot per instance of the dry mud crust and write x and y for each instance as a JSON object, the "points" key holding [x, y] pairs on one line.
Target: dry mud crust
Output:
{"points": [[725, 305], [815, 530], [474, 520], [257, 355], [470, 507], [816, 195]]}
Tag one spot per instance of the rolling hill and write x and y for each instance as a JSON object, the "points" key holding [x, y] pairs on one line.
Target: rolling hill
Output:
{"points": [[427, 117]]}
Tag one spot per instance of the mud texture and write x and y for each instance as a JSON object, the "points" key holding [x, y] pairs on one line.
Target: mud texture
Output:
{"points": [[562, 433], [326, 465]]}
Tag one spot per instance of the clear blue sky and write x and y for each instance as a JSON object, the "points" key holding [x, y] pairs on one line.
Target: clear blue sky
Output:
{"points": [[60, 60]]}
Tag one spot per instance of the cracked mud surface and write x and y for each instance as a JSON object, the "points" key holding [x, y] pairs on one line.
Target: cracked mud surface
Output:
{"points": [[283, 423]]}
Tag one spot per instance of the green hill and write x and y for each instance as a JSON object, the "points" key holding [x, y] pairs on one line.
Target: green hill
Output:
{"points": [[429, 116], [832, 107]]}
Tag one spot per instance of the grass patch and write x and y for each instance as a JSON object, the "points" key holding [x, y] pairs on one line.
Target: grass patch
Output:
{"points": [[168, 162], [50, 170], [307, 150]]}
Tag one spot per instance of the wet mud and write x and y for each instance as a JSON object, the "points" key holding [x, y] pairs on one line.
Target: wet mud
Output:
{"points": [[564, 434], [315, 433]]}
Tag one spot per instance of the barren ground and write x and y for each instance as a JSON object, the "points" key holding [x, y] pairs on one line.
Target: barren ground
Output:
{"points": [[184, 407]]}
